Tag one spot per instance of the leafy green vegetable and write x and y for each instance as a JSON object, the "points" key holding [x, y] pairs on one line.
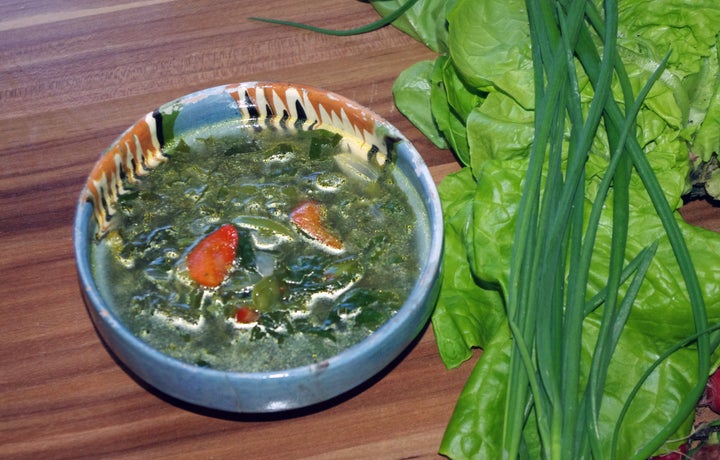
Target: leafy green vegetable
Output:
{"points": [[425, 21], [489, 51], [413, 97], [457, 318]]}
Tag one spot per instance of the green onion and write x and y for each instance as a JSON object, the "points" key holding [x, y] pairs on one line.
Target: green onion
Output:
{"points": [[380, 23], [689, 340], [552, 250]]}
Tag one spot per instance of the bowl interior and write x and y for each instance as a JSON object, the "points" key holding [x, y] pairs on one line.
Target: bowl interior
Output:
{"points": [[275, 106]]}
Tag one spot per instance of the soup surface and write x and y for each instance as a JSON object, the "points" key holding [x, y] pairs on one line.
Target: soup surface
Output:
{"points": [[322, 249]]}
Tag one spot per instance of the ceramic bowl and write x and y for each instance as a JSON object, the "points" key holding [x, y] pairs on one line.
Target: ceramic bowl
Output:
{"points": [[139, 149]]}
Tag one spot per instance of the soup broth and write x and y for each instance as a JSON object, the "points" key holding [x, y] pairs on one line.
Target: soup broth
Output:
{"points": [[291, 297]]}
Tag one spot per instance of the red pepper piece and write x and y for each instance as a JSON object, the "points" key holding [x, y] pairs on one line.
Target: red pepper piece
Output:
{"points": [[309, 216], [246, 314], [210, 260]]}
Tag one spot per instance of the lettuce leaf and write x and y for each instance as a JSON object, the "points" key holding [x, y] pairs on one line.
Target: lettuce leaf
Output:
{"points": [[451, 103], [489, 42], [412, 94], [466, 315], [437, 101], [425, 21]]}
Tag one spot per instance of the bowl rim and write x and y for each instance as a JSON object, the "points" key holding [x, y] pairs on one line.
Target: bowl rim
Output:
{"points": [[429, 269]]}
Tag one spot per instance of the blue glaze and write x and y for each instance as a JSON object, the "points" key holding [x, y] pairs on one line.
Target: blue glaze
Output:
{"points": [[208, 107]]}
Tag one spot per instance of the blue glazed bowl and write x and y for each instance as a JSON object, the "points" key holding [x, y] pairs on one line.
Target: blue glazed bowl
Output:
{"points": [[257, 392]]}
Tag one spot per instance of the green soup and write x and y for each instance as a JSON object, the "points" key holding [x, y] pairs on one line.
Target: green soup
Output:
{"points": [[309, 300]]}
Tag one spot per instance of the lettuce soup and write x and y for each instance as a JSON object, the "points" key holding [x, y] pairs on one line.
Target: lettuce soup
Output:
{"points": [[289, 296]]}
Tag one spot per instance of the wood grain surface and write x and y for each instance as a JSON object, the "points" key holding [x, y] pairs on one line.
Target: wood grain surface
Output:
{"points": [[73, 75]]}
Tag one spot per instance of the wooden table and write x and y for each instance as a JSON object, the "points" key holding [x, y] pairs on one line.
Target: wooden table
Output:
{"points": [[73, 76]]}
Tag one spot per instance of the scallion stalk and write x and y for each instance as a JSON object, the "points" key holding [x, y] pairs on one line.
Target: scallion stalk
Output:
{"points": [[373, 26], [553, 246]]}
